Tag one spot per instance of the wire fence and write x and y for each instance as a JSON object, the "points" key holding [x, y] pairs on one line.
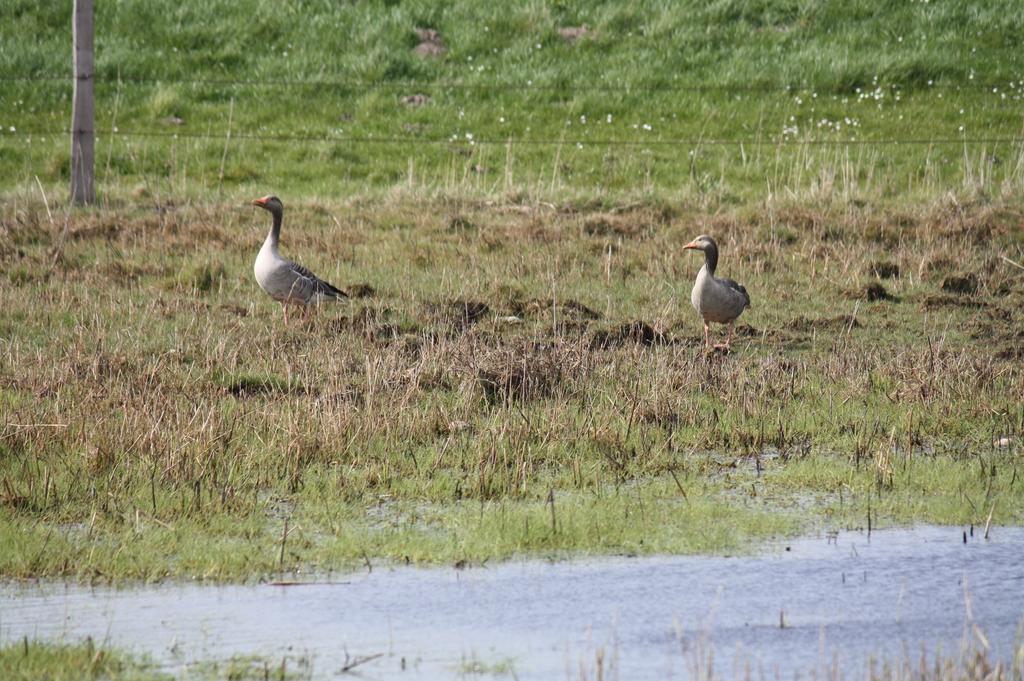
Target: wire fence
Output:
{"points": [[851, 88], [1014, 87], [581, 141]]}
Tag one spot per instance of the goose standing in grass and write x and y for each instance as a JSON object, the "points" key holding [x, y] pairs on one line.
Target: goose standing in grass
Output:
{"points": [[287, 282], [716, 300]]}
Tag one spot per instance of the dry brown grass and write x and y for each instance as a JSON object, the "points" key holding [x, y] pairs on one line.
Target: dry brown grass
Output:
{"points": [[521, 350]]}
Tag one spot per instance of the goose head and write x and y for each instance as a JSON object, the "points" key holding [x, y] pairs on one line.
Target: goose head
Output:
{"points": [[270, 203], [703, 243]]}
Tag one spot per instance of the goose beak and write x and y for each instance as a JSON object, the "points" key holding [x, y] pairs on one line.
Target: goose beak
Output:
{"points": [[260, 202], [693, 245]]}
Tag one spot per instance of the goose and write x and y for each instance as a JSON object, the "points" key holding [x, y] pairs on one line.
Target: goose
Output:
{"points": [[716, 300], [287, 282]]}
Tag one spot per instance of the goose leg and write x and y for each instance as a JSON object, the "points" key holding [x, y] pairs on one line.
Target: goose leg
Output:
{"points": [[707, 334], [728, 339], [284, 307]]}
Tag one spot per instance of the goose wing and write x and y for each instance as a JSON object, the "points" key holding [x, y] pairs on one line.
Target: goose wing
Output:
{"points": [[314, 284], [739, 288], [298, 282]]}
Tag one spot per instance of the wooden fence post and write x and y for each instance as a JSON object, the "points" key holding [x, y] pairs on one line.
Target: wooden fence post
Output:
{"points": [[83, 134]]}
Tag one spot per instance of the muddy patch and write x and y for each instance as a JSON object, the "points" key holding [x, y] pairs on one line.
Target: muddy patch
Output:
{"points": [[884, 269], [456, 315], [960, 284], [873, 292], [1011, 352], [460, 223], [1010, 343], [360, 291], [631, 333], [244, 385], [571, 34], [125, 273], [578, 310], [527, 373], [414, 101], [431, 43], [11, 253], [627, 226], [372, 323], [938, 301], [748, 331], [101, 230], [837, 323], [236, 310], [936, 264], [469, 311], [885, 234], [546, 307]]}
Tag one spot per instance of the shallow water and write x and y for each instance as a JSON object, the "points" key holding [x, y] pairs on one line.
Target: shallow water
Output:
{"points": [[842, 600]]}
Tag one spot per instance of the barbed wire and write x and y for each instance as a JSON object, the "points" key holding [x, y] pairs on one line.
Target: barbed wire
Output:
{"points": [[348, 84], [460, 141]]}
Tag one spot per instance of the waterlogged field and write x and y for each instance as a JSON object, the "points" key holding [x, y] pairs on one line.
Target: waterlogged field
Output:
{"points": [[506, 379], [519, 370]]}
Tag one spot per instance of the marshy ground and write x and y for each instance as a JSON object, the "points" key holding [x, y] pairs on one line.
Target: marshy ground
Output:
{"points": [[509, 378], [505, 194]]}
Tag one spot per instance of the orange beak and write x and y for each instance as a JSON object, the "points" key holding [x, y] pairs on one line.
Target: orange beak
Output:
{"points": [[260, 202], [692, 244]]}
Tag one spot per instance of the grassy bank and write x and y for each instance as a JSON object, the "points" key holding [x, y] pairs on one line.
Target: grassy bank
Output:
{"points": [[32, 660], [28, 661], [714, 102]]}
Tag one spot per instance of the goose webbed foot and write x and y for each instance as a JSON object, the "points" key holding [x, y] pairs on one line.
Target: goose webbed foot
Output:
{"points": [[728, 340]]}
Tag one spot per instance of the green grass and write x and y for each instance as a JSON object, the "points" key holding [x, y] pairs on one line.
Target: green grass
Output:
{"points": [[475, 667], [814, 91], [34, 660], [524, 329], [29, 661]]}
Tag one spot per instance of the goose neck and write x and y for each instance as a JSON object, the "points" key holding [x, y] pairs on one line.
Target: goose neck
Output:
{"points": [[711, 258], [275, 230]]}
